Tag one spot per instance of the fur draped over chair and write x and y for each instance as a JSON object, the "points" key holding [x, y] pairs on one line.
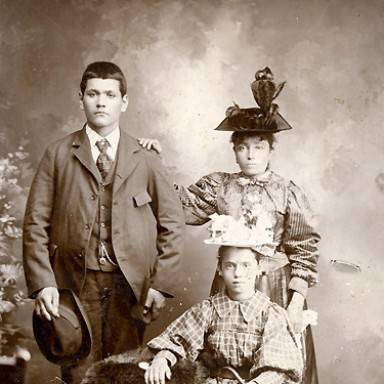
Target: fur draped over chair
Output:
{"points": [[123, 369]]}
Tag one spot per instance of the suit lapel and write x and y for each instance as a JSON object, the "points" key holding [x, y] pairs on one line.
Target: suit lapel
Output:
{"points": [[127, 160], [84, 154]]}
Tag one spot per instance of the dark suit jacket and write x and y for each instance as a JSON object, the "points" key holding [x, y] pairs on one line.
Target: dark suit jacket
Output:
{"points": [[62, 207]]}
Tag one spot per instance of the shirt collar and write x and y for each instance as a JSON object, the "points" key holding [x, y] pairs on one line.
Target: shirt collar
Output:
{"points": [[250, 308], [113, 137], [261, 180]]}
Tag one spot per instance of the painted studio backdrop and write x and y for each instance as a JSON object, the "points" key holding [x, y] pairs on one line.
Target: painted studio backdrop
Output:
{"points": [[186, 62]]}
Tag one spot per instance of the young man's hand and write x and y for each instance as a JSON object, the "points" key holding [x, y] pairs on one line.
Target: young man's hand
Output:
{"points": [[154, 303], [150, 144], [158, 371], [47, 303]]}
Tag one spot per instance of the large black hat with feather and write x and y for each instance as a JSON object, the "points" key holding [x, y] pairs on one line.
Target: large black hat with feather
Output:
{"points": [[265, 118]]}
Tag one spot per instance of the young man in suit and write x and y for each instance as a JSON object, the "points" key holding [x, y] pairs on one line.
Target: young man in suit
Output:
{"points": [[97, 205]]}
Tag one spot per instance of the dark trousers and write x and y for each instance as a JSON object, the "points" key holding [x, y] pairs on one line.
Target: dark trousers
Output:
{"points": [[107, 298]]}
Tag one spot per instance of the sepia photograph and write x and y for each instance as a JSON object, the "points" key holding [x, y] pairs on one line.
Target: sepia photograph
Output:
{"points": [[191, 191]]}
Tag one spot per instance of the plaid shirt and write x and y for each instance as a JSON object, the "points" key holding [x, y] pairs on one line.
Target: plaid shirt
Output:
{"points": [[252, 333], [294, 228]]}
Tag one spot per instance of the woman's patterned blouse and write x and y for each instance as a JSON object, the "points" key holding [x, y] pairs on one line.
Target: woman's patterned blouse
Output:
{"points": [[293, 225]]}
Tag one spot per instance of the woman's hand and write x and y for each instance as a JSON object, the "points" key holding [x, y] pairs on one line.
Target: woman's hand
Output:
{"points": [[295, 312], [158, 371], [150, 144]]}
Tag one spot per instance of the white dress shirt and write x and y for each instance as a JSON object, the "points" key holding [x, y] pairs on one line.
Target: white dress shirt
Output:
{"points": [[113, 140]]}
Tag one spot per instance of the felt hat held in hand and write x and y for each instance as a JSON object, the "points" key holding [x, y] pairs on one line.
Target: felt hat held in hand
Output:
{"points": [[67, 339]]}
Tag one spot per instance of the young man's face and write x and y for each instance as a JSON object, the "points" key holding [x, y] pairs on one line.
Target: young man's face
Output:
{"points": [[103, 104], [238, 267], [252, 155]]}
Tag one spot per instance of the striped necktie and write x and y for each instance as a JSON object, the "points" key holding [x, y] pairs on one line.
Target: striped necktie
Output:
{"points": [[104, 161]]}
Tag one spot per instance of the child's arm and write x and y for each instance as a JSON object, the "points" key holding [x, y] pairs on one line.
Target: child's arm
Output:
{"points": [[182, 338], [279, 359], [158, 371]]}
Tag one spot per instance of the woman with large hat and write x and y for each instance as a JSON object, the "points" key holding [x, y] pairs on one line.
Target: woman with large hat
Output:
{"points": [[270, 205]]}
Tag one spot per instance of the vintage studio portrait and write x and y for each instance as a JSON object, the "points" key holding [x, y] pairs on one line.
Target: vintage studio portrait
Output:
{"points": [[191, 192]]}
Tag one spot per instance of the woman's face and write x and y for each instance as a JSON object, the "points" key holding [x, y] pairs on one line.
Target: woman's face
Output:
{"points": [[252, 154]]}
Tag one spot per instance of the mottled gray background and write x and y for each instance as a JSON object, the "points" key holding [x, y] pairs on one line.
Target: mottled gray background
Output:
{"points": [[185, 62]]}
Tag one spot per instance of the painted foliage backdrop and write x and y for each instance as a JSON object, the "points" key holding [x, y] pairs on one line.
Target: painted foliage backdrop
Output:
{"points": [[186, 62]]}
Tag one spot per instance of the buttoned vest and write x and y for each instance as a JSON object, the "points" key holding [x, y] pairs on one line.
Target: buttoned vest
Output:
{"points": [[101, 230]]}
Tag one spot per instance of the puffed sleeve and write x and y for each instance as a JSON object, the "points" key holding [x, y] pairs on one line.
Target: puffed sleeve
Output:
{"points": [[300, 241], [199, 200], [184, 337], [279, 359]]}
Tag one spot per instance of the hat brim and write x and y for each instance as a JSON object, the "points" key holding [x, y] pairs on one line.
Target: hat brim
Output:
{"points": [[42, 330], [231, 244], [250, 120]]}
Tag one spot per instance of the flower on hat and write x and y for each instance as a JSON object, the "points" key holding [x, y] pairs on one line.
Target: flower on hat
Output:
{"points": [[226, 230]]}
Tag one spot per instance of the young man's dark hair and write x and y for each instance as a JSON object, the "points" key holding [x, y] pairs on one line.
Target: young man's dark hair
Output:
{"points": [[104, 70]]}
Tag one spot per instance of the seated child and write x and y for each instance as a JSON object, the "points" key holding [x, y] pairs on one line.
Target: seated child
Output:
{"points": [[240, 329]]}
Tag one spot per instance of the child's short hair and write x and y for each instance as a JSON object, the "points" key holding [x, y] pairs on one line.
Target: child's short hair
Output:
{"points": [[220, 253], [239, 136], [221, 250], [104, 70]]}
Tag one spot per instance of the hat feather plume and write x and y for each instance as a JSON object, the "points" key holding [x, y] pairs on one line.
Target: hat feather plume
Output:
{"points": [[265, 90]]}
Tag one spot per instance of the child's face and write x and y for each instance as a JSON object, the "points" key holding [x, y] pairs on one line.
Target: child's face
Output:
{"points": [[252, 155], [238, 267], [103, 104]]}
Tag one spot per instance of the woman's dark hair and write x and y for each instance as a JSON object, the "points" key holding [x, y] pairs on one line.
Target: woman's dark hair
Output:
{"points": [[238, 137], [103, 70]]}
